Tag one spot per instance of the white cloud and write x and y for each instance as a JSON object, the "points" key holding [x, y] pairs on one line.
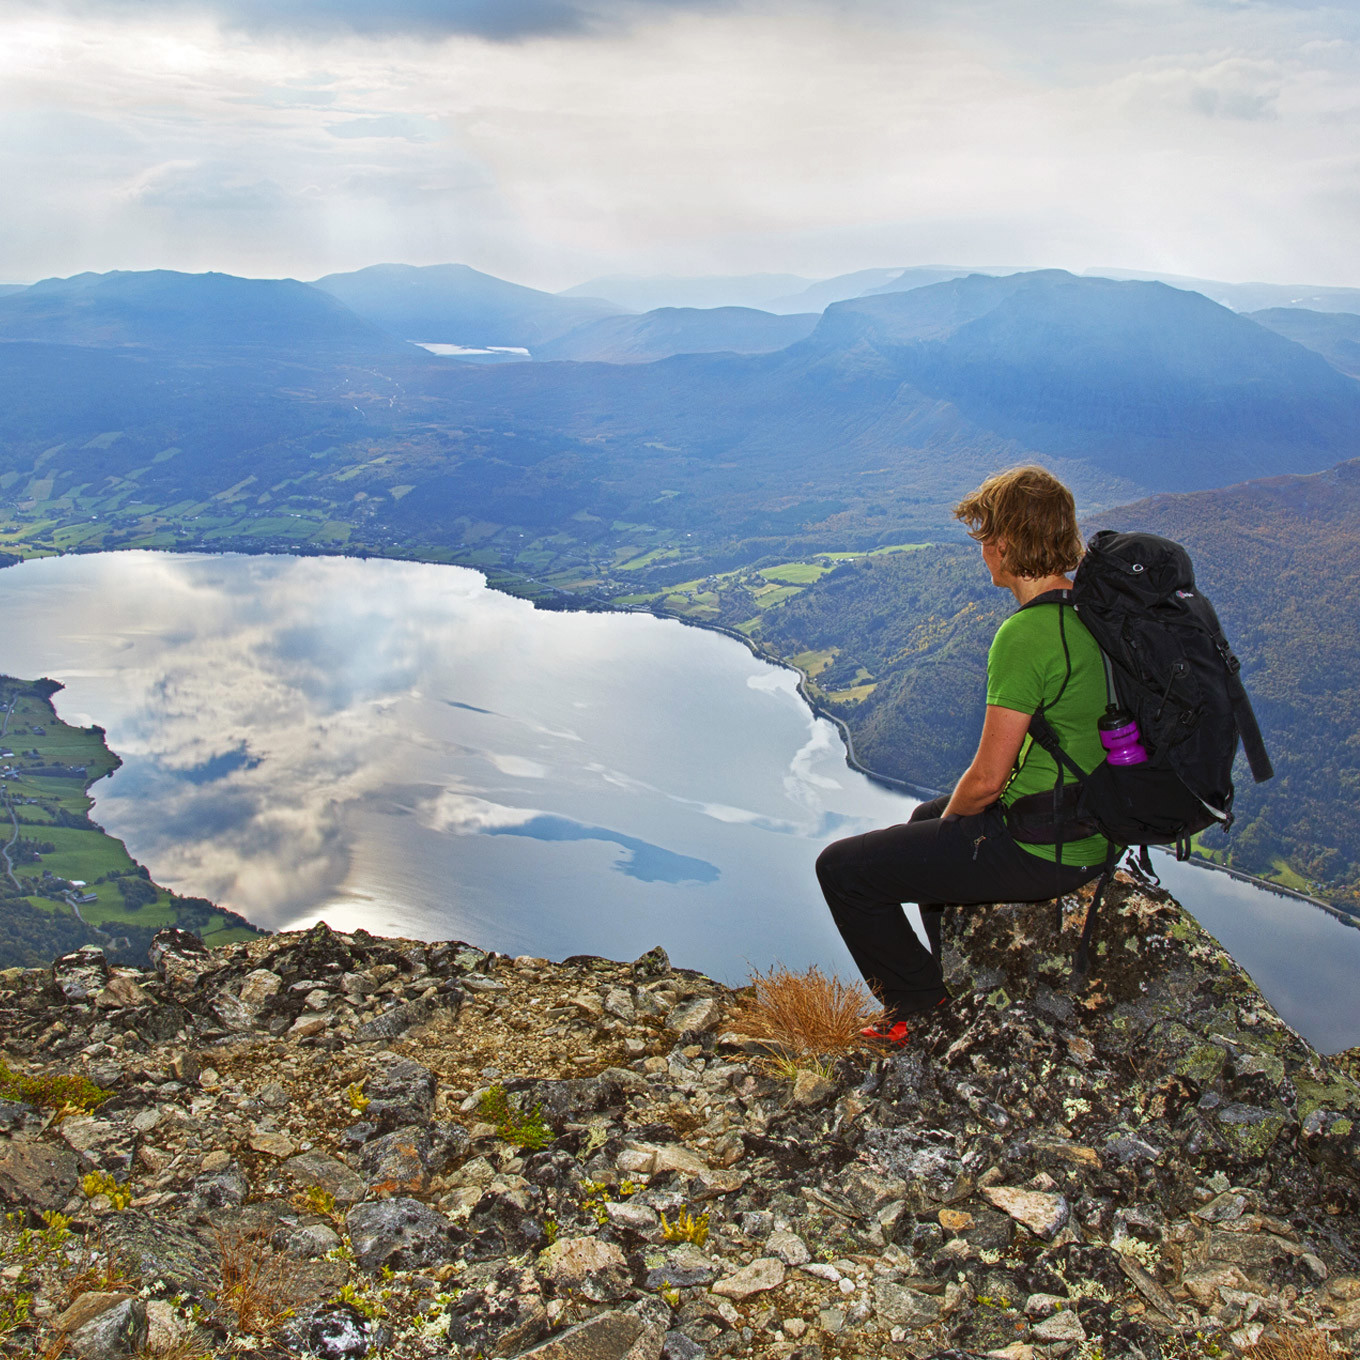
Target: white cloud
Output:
{"points": [[812, 136]]}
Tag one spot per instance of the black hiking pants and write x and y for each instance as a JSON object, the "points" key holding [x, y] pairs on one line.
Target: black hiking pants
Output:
{"points": [[934, 863]]}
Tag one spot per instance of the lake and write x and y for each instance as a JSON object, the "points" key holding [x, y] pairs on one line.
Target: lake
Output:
{"points": [[395, 746]]}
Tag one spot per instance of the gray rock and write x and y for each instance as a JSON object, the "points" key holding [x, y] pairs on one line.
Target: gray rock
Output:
{"points": [[401, 1233], [18, 1117], [395, 1021], [100, 1143], [179, 957], [1129, 1149], [618, 1003], [655, 963], [636, 1218], [117, 1331], [766, 1272], [159, 1247], [311, 1240], [221, 1189], [329, 1173], [499, 1312], [398, 1162], [607, 1336], [694, 1017], [37, 1175], [1064, 1326], [682, 1267], [569, 1100], [677, 1346], [243, 1008], [400, 1092], [335, 1331], [905, 1307], [82, 975], [789, 1247]]}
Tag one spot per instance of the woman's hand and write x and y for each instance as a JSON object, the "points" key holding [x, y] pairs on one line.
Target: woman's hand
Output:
{"points": [[1003, 733]]}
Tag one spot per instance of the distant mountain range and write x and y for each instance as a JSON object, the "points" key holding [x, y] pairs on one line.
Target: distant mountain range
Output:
{"points": [[634, 293], [450, 303], [1334, 335], [172, 312], [1250, 297], [679, 330], [880, 416]]}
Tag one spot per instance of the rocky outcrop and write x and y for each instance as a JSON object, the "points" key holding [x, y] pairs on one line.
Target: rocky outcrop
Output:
{"points": [[337, 1145]]}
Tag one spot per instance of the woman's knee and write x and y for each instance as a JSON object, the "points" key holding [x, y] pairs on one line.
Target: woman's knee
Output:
{"points": [[831, 862]]}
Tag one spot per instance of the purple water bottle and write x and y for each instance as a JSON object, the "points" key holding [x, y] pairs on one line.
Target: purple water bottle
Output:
{"points": [[1120, 737]]}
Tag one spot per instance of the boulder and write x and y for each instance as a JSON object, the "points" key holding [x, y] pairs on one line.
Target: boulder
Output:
{"points": [[401, 1233]]}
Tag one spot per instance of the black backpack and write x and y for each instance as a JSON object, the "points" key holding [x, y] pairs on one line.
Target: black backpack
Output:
{"points": [[1168, 663]]}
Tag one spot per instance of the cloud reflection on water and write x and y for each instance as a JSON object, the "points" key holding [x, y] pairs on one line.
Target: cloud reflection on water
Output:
{"points": [[292, 750]]}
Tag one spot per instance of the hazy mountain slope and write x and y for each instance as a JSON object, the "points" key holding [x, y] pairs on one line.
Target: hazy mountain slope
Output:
{"points": [[6, 288], [678, 330], [822, 294], [645, 293], [452, 304], [923, 276], [168, 311], [1249, 297], [1135, 383], [1161, 384], [1334, 335]]}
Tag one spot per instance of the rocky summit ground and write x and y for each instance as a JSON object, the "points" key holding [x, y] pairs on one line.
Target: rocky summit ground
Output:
{"points": [[344, 1146]]}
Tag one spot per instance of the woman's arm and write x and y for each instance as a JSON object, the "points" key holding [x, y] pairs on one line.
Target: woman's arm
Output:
{"points": [[1003, 732]]}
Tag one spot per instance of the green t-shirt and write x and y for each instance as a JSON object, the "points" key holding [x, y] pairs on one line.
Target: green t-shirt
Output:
{"points": [[1026, 667]]}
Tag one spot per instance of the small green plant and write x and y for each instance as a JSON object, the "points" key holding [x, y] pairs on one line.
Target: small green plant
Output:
{"points": [[29, 1249], [670, 1293], [316, 1199], [787, 1066], [358, 1101], [64, 1093], [16, 1308], [519, 1129], [364, 1300], [102, 1183], [594, 1196], [686, 1228], [550, 1229]]}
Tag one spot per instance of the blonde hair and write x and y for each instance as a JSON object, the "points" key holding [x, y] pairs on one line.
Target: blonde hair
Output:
{"points": [[1030, 512]]}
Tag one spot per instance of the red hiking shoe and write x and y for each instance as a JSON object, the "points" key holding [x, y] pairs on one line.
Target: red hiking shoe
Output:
{"points": [[895, 1035]]}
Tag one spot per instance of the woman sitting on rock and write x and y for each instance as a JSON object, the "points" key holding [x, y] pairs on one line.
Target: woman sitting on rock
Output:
{"points": [[958, 849]]}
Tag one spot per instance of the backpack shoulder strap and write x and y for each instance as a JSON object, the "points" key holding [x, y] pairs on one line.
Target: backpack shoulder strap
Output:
{"points": [[1048, 597], [1244, 715]]}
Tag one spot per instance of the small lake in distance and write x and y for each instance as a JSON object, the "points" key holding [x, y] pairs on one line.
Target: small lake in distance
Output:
{"points": [[395, 746]]}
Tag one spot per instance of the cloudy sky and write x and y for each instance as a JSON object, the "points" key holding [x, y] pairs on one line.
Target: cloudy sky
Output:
{"points": [[551, 140]]}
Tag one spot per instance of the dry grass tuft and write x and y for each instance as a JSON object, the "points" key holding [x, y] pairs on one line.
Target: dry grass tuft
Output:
{"points": [[806, 1016], [254, 1291], [1302, 1343], [183, 1348]]}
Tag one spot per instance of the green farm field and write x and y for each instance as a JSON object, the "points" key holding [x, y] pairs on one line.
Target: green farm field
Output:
{"points": [[53, 857]]}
